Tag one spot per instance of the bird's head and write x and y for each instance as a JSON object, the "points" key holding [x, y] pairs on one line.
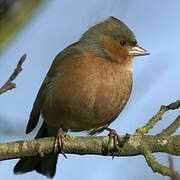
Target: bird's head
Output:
{"points": [[114, 36]]}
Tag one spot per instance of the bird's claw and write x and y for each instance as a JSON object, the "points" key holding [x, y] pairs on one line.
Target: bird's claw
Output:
{"points": [[115, 141], [59, 142]]}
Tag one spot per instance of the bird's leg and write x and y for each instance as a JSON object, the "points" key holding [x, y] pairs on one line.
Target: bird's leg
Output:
{"points": [[115, 139], [59, 141], [113, 136]]}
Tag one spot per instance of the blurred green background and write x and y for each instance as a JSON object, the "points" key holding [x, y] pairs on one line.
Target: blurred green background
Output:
{"points": [[14, 14]]}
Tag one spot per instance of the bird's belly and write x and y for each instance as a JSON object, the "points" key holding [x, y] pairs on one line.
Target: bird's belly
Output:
{"points": [[92, 103]]}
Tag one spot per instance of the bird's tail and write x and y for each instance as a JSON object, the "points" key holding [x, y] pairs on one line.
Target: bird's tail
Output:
{"points": [[45, 165]]}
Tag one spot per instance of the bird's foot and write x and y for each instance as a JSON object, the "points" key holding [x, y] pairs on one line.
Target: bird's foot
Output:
{"points": [[115, 141], [59, 142]]}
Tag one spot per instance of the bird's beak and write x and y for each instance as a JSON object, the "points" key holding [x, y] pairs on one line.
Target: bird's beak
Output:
{"points": [[138, 51]]}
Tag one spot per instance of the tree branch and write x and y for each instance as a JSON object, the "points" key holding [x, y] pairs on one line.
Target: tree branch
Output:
{"points": [[171, 128], [135, 144], [89, 145], [9, 84]]}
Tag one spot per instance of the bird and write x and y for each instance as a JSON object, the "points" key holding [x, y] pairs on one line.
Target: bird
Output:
{"points": [[85, 89]]}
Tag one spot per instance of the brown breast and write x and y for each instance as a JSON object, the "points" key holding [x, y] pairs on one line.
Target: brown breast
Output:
{"points": [[89, 94]]}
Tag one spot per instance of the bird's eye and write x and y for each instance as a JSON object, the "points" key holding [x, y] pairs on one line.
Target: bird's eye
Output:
{"points": [[122, 43]]}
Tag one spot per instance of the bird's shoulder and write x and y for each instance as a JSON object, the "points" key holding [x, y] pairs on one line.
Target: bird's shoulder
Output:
{"points": [[74, 51], [76, 54]]}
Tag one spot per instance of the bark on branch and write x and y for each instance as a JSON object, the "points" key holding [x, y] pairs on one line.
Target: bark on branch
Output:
{"points": [[90, 145]]}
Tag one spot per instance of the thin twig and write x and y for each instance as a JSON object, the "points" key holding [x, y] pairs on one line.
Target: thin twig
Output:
{"points": [[9, 83], [171, 128], [157, 117], [157, 167]]}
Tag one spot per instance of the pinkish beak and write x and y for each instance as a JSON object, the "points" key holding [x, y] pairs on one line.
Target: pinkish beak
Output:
{"points": [[138, 51]]}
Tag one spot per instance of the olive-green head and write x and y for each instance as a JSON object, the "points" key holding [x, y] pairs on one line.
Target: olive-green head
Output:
{"points": [[115, 36]]}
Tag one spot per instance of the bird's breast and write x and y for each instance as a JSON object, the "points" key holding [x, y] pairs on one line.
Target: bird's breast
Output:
{"points": [[88, 95], [112, 92]]}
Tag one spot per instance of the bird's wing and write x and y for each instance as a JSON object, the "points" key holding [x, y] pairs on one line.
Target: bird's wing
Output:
{"points": [[70, 52], [35, 113]]}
